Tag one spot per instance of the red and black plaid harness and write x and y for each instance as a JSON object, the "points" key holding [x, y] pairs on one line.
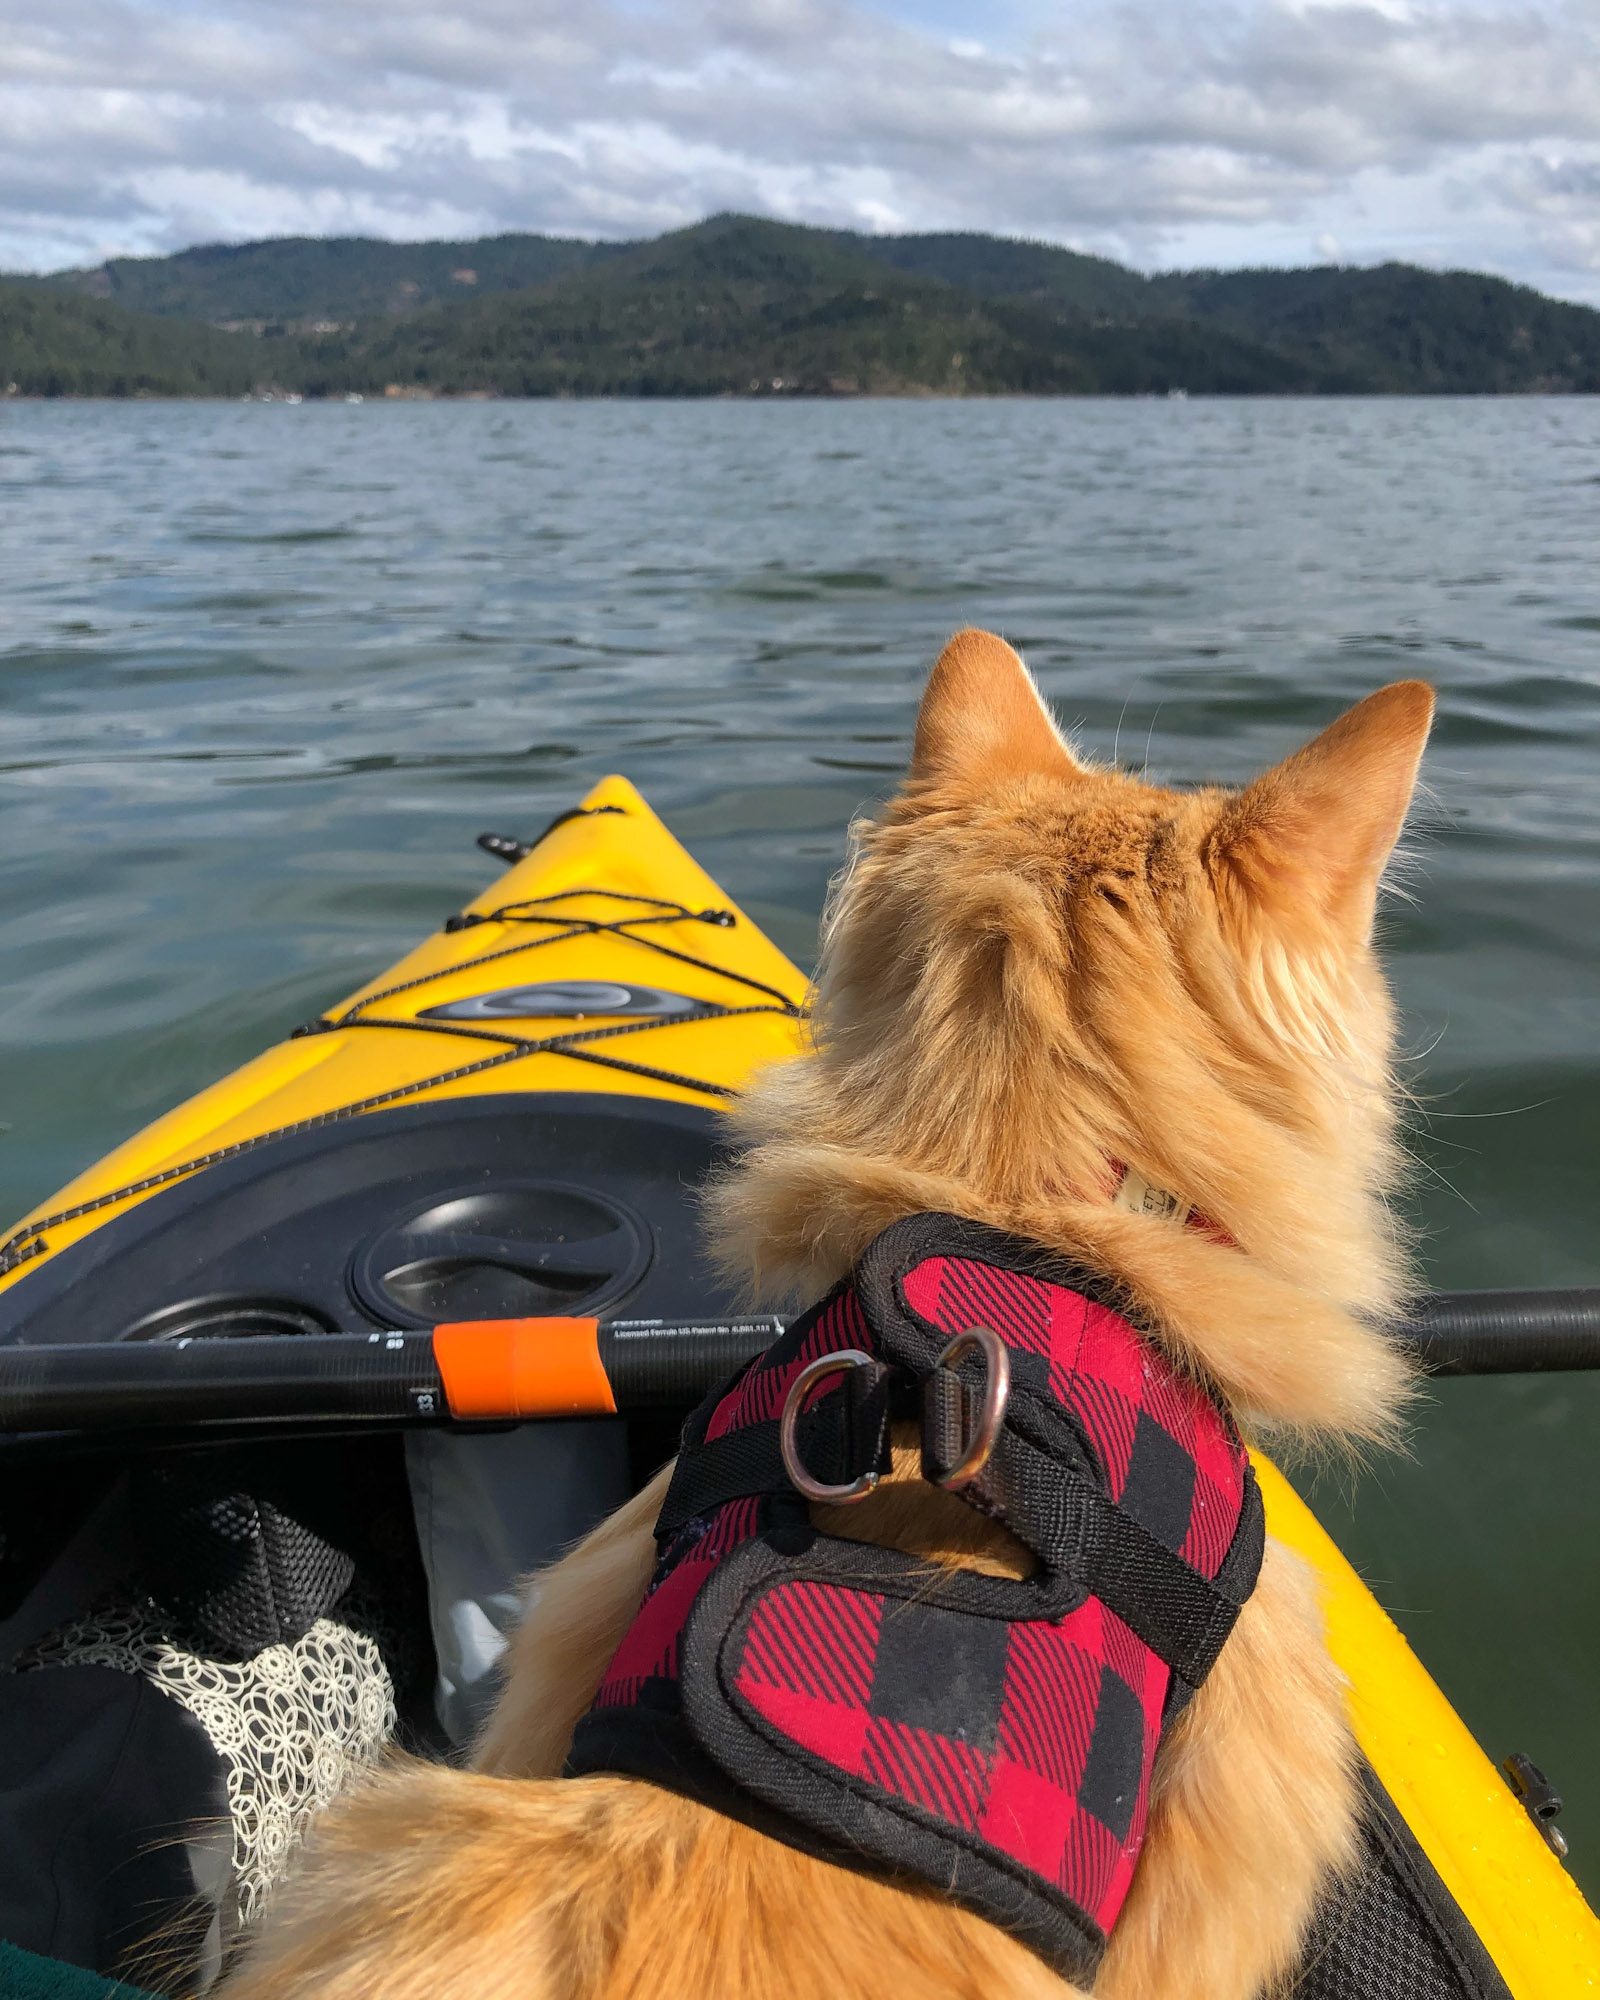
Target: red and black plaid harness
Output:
{"points": [[989, 1739]]}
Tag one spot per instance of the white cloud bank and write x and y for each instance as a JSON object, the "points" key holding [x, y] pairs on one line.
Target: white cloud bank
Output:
{"points": [[1167, 132]]}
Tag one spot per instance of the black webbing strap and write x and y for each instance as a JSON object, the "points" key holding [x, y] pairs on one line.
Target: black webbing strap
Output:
{"points": [[1077, 1533], [1182, 1616], [739, 1465], [844, 1435]]}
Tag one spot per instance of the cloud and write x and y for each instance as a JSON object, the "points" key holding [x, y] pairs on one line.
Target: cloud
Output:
{"points": [[1167, 132]]}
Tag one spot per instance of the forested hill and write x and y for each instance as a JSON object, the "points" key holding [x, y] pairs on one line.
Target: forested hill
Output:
{"points": [[740, 306], [54, 345], [1400, 329], [296, 281], [292, 281]]}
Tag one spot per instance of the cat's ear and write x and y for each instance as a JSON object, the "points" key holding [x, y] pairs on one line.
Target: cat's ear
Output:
{"points": [[1314, 834], [982, 716]]}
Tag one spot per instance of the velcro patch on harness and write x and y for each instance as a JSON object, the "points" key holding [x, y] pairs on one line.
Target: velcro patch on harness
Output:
{"points": [[1008, 1761]]}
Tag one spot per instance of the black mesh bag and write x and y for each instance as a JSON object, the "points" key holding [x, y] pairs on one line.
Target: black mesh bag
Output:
{"points": [[242, 1548], [1393, 1932]]}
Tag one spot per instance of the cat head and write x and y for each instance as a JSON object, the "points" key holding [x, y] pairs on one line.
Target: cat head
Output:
{"points": [[1038, 973]]}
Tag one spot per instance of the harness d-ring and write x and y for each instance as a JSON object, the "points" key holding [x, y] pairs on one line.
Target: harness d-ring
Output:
{"points": [[992, 1413], [837, 1363]]}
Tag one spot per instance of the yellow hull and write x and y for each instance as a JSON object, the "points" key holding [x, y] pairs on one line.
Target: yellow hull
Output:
{"points": [[1528, 1914]]}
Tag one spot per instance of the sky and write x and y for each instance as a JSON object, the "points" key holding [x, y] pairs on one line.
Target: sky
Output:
{"points": [[1451, 133]]}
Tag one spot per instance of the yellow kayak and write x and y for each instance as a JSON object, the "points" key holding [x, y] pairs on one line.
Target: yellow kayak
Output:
{"points": [[601, 1002]]}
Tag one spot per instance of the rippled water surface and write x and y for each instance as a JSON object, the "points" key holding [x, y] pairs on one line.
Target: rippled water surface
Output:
{"points": [[265, 672]]}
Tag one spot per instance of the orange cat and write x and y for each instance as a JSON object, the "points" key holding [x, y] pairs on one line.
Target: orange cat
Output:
{"points": [[1034, 969]]}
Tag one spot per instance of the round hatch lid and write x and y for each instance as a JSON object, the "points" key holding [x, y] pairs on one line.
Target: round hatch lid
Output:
{"points": [[513, 1250], [569, 1000]]}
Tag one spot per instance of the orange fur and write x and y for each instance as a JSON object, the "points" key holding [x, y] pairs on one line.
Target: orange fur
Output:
{"points": [[1032, 970], [453, 1886]]}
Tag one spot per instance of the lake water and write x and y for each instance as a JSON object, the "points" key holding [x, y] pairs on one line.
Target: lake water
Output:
{"points": [[266, 671]]}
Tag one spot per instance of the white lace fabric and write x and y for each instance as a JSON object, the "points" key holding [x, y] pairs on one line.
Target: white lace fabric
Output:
{"points": [[292, 1724]]}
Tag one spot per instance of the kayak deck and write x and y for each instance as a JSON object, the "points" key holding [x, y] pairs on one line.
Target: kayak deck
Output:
{"points": [[608, 896]]}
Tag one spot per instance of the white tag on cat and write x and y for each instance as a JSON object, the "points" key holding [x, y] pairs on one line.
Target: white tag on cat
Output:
{"points": [[1141, 1197]]}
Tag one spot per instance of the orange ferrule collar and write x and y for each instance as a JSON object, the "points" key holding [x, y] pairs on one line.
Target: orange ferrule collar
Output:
{"points": [[511, 1368]]}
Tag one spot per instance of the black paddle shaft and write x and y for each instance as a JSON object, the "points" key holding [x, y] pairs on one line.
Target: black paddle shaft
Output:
{"points": [[350, 1381], [1507, 1333], [271, 1381], [306, 1382]]}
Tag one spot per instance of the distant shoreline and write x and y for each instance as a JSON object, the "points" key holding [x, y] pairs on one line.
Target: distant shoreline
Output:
{"points": [[742, 309]]}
